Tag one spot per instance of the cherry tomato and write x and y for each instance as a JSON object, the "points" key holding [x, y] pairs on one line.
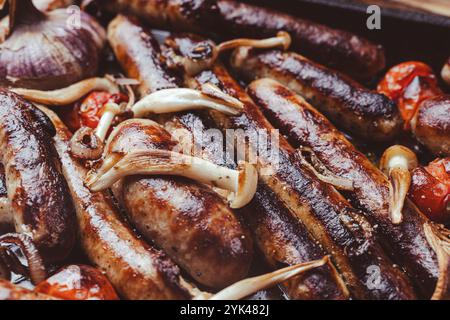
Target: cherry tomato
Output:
{"points": [[90, 110], [430, 190], [408, 84], [78, 282]]}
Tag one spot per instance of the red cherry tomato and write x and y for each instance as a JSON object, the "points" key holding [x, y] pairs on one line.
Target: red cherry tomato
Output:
{"points": [[408, 84], [90, 110], [430, 190], [78, 282]]}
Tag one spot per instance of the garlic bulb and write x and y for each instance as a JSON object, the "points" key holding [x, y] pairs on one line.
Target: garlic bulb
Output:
{"points": [[49, 50]]}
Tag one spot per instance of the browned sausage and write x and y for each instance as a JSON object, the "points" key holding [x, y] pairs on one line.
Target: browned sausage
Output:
{"points": [[336, 48], [282, 239], [190, 222], [9, 291], [340, 229], [431, 124], [37, 191], [136, 270], [352, 107], [304, 126]]}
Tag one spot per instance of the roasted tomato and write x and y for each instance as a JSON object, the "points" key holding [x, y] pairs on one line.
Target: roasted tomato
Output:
{"points": [[430, 190], [89, 111], [408, 84], [78, 282]]}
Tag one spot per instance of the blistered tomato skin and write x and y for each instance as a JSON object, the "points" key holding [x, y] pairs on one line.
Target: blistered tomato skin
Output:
{"points": [[408, 84], [90, 110], [78, 282], [430, 190]]}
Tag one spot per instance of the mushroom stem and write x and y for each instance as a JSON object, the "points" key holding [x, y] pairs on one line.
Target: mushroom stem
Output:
{"points": [[111, 110], [69, 94], [396, 163], [246, 287], [283, 39], [446, 72], [181, 99], [242, 182]]}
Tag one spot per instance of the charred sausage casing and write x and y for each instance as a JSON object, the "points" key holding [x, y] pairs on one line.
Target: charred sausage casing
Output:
{"points": [[280, 237], [193, 224], [38, 194], [339, 228], [431, 124], [305, 126], [365, 113], [228, 18], [136, 270]]}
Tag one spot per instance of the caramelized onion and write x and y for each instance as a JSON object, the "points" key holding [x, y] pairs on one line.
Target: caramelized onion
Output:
{"points": [[86, 145], [35, 268]]}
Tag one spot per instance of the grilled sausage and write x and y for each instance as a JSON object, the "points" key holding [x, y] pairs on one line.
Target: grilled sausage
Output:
{"points": [[431, 124], [136, 270], [340, 229], [360, 111], [280, 237], [188, 221], [228, 18], [195, 226], [40, 201], [193, 15], [304, 126], [9, 291]]}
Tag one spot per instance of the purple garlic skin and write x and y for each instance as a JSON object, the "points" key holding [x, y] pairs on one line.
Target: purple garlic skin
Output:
{"points": [[51, 50]]}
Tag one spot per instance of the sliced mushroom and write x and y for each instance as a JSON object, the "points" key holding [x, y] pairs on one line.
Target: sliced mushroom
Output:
{"points": [[249, 286], [283, 39], [70, 94], [181, 99], [203, 54], [242, 182], [397, 162]]}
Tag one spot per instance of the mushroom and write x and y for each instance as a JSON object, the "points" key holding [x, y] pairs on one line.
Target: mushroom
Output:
{"points": [[204, 54], [241, 182], [397, 162], [249, 286], [182, 99], [70, 94]]}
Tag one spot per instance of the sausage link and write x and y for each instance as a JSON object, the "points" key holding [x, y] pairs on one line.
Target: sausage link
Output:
{"points": [[39, 197], [340, 229], [193, 15], [431, 125], [228, 18], [136, 270], [281, 238], [304, 126], [358, 110], [190, 222]]}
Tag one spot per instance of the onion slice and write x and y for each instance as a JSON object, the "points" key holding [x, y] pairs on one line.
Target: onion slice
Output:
{"points": [[182, 99], [396, 163], [439, 240], [70, 94], [36, 267], [249, 286], [242, 182], [322, 173]]}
